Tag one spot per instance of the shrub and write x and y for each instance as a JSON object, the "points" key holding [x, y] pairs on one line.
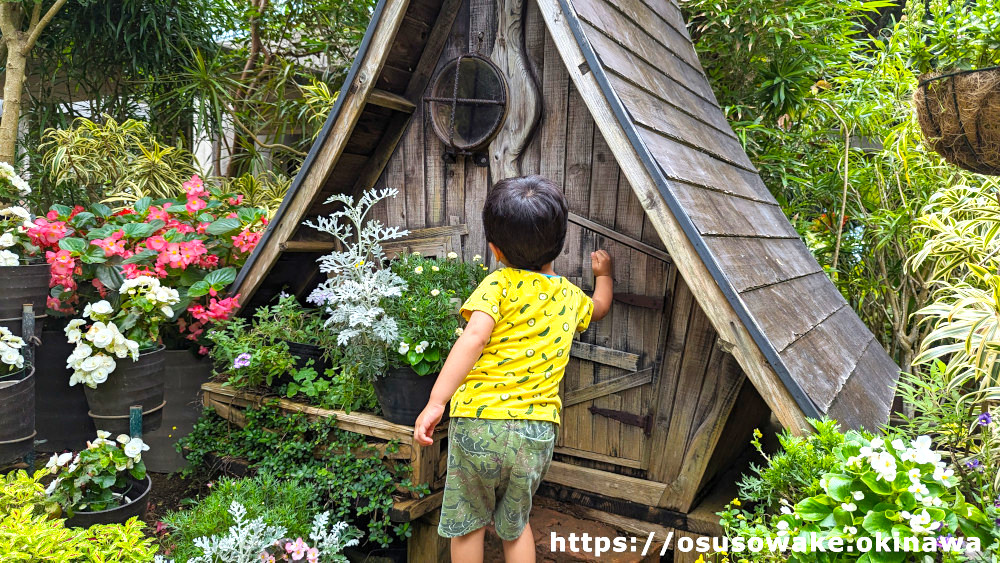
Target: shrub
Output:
{"points": [[280, 503]]}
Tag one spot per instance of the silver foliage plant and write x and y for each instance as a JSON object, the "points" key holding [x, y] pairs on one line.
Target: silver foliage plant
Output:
{"points": [[357, 281], [242, 543], [331, 541]]}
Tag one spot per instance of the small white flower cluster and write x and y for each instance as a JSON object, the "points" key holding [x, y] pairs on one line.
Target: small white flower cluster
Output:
{"points": [[150, 288], [92, 368], [7, 173], [10, 350], [404, 347], [8, 238], [132, 447]]}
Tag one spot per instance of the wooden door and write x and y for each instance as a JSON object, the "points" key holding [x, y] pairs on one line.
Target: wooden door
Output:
{"points": [[609, 390]]}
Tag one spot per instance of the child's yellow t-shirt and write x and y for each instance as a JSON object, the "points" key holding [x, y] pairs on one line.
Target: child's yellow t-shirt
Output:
{"points": [[518, 374]]}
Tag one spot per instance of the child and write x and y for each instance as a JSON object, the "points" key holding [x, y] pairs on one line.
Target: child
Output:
{"points": [[506, 367]]}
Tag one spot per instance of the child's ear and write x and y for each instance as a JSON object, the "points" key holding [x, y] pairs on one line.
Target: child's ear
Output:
{"points": [[496, 253]]}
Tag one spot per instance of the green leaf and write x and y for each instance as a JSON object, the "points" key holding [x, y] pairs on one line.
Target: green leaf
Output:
{"points": [[877, 522], [139, 230], [223, 226], [875, 484], [100, 210], [62, 210], [74, 244], [93, 255], [812, 509], [81, 219], [839, 486], [141, 257], [110, 276], [221, 278], [142, 204], [103, 231], [198, 289]]}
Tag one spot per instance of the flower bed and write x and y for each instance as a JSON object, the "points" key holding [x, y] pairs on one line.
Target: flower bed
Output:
{"points": [[428, 463]]}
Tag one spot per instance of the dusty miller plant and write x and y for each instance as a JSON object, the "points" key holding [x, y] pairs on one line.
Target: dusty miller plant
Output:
{"points": [[357, 281], [242, 543]]}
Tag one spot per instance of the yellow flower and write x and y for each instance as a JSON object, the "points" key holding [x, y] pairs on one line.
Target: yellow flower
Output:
{"points": [[359, 264], [735, 502], [435, 268], [757, 433], [740, 517], [701, 559], [418, 270]]}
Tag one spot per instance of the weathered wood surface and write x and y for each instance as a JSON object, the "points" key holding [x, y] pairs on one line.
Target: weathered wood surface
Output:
{"points": [[524, 102]]}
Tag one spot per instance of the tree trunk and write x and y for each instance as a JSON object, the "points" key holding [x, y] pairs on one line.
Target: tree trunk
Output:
{"points": [[13, 87]]}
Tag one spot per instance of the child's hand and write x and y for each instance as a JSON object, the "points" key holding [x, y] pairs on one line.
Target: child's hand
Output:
{"points": [[426, 422], [600, 261]]}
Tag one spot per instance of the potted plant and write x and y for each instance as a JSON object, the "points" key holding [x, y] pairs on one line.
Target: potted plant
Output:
{"points": [[302, 328], [24, 277], [357, 286], [17, 398], [104, 484], [428, 321], [953, 46], [130, 334]]}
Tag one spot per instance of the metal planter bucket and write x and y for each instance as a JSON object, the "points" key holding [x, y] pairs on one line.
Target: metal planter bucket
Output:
{"points": [[20, 285], [61, 411], [132, 383], [138, 503], [17, 415], [183, 377]]}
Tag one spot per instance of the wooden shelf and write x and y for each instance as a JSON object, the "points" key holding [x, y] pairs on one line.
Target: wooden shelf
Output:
{"points": [[391, 101]]}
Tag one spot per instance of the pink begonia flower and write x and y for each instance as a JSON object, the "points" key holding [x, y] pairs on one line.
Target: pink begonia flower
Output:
{"points": [[195, 205], [100, 287], [312, 555], [156, 243], [161, 214], [203, 351], [194, 187], [238, 199], [112, 245], [246, 240], [44, 233], [200, 229], [297, 549]]}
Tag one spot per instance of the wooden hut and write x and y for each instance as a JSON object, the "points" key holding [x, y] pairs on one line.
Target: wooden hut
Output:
{"points": [[721, 314]]}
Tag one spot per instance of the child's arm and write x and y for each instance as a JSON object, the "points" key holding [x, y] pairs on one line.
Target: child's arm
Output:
{"points": [[600, 261], [462, 357]]}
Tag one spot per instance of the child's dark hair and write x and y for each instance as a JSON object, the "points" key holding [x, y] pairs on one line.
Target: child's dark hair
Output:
{"points": [[525, 218]]}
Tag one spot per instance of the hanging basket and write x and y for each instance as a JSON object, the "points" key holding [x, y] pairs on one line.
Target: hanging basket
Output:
{"points": [[959, 115]]}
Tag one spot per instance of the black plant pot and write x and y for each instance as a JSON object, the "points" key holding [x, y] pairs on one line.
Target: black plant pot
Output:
{"points": [[28, 283], [17, 415], [61, 413], [138, 502], [402, 394], [137, 382], [183, 375], [306, 352]]}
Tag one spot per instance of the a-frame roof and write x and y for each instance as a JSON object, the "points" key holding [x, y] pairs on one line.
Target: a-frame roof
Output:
{"points": [[633, 63]]}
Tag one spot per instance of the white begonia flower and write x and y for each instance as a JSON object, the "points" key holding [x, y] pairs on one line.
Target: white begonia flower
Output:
{"points": [[8, 258], [7, 240], [850, 530], [858, 495], [452, 255], [786, 510], [922, 443], [51, 488], [123, 438], [102, 308], [849, 506], [884, 465], [898, 445], [865, 451], [404, 347], [877, 443], [942, 474], [435, 292], [135, 447], [918, 488], [782, 525], [73, 334], [167, 311], [80, 353], [914, 474], [102, 335], [104, 435], [920, 521], [12, 357]]}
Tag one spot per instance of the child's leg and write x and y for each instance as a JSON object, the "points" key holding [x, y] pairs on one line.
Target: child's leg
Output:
{"points": [[469, 548], [521, 550]]}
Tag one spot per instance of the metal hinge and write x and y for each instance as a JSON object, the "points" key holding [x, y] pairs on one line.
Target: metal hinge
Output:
{"points": [[642, 421]]}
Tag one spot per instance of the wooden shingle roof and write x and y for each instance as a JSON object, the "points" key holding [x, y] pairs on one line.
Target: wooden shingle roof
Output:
{"points": [[636, 69]]}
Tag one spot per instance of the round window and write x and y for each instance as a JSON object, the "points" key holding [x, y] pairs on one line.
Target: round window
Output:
{"points": [[468, 103]]}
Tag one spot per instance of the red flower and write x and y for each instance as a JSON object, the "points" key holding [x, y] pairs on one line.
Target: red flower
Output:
{"points": [[45, 233]]}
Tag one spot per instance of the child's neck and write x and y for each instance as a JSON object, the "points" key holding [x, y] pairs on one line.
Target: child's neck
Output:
{"points": [[546, 269]]}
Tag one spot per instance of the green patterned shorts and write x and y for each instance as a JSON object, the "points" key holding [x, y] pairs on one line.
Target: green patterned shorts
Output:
{"points": [[494, 467]]}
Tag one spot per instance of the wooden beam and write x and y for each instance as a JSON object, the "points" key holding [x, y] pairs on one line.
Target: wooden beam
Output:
{"points": [[604, 482], [388, 100], [689, 262], [331, 147], [606, 356], [616, 385], [611, 460], [306, 246], [619, 237], [411, 509]]}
